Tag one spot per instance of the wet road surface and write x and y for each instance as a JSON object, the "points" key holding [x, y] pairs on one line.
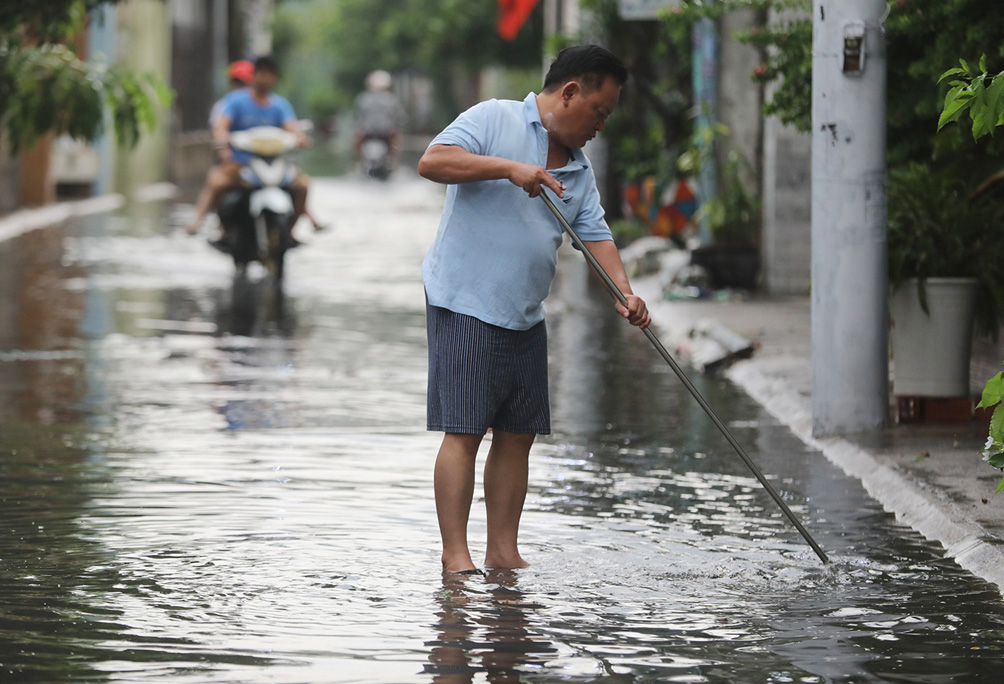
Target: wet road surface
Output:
{"points": [[203, 481]]}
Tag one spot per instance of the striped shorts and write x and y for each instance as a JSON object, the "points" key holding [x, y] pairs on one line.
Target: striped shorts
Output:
{"points": [[483, 376]]}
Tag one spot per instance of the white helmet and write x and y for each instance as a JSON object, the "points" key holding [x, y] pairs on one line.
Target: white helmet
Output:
{"points": [[378, 80]]}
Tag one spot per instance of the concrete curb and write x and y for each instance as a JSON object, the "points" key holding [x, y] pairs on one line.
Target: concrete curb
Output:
{"points": [[27, 220], [916, 505]]}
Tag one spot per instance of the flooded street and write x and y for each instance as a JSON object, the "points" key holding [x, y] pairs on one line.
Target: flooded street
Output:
{"points": [[205, 481]]}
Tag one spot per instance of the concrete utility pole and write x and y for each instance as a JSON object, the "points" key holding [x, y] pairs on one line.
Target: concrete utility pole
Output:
{"points": [[850, 358]]}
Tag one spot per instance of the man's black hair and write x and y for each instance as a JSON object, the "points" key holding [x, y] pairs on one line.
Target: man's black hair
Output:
{"points": [[267, 63], [588, 64]]}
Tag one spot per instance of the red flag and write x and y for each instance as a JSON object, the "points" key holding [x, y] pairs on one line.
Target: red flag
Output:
{"points": [[512, 15]]}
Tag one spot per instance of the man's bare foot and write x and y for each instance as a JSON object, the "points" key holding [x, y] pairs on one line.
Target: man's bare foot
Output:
{"points": [[505, 562], [458, 564], [193, 227]]}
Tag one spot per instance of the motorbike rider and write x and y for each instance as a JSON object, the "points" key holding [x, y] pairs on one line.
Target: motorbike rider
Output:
{"points": [[378, 115], [240, 74], [242, 109]]}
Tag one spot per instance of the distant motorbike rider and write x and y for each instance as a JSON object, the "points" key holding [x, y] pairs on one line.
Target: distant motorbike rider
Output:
{"points": [[378, 115], [243, 109]]}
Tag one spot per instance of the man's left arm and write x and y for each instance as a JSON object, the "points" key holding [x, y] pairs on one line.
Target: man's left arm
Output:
{"points": [[292, 124], [606, 253]]}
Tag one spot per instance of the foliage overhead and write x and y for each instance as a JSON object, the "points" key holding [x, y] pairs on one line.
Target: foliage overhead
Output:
{"points": [[784, 44], [976, 93], [46, 88], [922, 36]]}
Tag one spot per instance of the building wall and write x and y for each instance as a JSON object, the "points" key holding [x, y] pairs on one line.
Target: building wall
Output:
{"points": [[739, 97], [192, 63], [786, 246]]}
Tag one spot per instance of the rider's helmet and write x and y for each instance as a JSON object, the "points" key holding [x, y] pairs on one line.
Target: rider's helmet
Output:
{"points": [[242, 70], [378, 81]]}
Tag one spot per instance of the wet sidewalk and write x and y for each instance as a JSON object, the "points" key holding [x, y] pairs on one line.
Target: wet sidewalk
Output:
{"points": [[931, 476]]}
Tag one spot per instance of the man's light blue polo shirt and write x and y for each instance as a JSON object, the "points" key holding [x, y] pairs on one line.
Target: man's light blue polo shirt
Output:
{"points": [[495, 254]]}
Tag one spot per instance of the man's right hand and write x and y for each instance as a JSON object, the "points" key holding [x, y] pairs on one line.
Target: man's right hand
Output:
{"points": [[531, 178]]}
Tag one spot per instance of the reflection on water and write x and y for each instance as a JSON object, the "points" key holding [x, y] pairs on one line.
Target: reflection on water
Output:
{"points": [[485, 631], [207, 480]]}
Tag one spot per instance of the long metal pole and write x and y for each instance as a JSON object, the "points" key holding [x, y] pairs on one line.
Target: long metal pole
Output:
{"points": [[616, 292]]}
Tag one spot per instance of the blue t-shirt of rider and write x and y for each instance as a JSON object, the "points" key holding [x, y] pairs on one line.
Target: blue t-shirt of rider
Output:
{"points": [[245, 112]]}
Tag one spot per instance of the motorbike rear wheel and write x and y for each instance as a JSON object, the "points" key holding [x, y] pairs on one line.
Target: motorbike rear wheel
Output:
{"points": [[277, 232]]}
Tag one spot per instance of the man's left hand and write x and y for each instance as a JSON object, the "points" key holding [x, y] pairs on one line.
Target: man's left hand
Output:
{"points": [[636, 312]]}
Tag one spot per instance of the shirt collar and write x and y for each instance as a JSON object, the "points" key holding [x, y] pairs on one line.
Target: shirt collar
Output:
{"points": [[530, 110]]}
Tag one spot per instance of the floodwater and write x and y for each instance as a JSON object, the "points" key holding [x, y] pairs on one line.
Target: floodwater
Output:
{"points": [[204, 481]]}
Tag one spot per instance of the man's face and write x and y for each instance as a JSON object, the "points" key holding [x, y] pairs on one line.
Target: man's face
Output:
{"points": [[584, 112], [264, 80]]}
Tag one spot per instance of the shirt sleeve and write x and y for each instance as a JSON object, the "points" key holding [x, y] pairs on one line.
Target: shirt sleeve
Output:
{"points": [[469, 130], [286, 109], [215, 112], [590, 223], [231, 105]]}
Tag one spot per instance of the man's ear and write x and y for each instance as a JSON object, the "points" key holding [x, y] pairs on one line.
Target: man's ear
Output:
{"points": [[569, 90]]}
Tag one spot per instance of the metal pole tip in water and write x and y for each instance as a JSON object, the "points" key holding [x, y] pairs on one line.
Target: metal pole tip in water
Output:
{"points": [[617, 294]]}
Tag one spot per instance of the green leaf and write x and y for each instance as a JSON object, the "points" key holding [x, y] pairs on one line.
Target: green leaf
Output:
{"points": [[994, 100], [978, 111], [993, 391], [983, 62], [954, 108], [951, 72], [1000, 487], [997, 424], [997, 460]]}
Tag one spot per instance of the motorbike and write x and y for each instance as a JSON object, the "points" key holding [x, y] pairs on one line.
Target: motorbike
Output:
{"points": [[257, 218], [375, 156]]}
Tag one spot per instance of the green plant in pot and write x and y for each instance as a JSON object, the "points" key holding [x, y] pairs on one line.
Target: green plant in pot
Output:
{"points": [[944, 252], [937, 231], [734, 212], [733, 215]]}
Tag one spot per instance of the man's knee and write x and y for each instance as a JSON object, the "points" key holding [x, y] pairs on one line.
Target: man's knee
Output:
{"points": [[220, 181], [462, 443], [300, 184], [514, 442]]}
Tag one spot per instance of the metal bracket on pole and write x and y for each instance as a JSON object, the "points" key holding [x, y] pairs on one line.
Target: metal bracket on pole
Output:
{"points": [[619, 296]]}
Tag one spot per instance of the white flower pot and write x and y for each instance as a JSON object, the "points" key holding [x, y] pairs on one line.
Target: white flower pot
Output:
{"points": [[931, 350]]}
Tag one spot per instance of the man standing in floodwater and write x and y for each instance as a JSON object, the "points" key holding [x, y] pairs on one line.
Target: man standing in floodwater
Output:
{"points": [[486, 277]]}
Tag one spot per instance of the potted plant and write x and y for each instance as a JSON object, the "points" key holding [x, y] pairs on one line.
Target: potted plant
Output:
{"points": [[944, 252], [733, 215]]}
